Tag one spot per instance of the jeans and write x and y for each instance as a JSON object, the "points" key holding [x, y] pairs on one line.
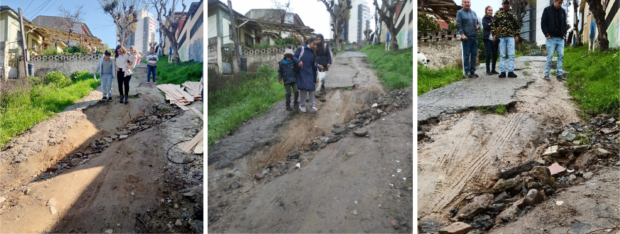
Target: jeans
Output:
{"points": [[292, 87], [121, 79], [106, 84], [302, 101], [507, 46], [490, 49], [470, 52], [150, 70], [555, 44]]}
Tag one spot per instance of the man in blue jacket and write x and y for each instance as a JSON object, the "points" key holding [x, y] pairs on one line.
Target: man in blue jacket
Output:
{"points": [[467, 24], [553, 24]]}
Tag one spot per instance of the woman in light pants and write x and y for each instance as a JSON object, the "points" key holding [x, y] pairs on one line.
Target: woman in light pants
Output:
{"points": [[306, 78], [107, 67]]}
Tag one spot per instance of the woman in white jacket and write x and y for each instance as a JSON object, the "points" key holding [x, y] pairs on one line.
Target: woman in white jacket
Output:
{"points": [[122, 64]]}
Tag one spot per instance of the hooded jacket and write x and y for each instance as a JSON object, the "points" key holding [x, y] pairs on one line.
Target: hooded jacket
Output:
{"points": [[287, 71]]}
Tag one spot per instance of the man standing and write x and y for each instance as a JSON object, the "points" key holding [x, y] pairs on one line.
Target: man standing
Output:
{"points": [[506, 29], [553, 24], [151, 66], [108, 72], [592, 34], [467, 24]]}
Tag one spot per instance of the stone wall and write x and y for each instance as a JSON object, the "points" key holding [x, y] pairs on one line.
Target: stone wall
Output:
{"points": [[258, 57], [442, 53], [68, 64]]}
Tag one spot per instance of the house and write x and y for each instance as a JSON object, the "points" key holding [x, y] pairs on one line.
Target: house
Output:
{"points": [[271, 24], [176, 16], [611, 17], [403, 22], [190, 38]]}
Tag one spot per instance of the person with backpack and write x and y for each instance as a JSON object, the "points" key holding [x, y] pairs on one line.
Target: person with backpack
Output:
{"points": [[287, 75], [306, 78], [324, 55]]}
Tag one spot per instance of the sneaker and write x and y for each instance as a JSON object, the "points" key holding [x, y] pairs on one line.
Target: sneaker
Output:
{"points": [[473, 75], [126, 100], [494, 72], [315, 109], [148, 82], [109, 99], [104, 98], [302, 109], [561, 78], [547, 78], [288, 108], [489, 73], [512, 75], [502, 75], [121, 101]]}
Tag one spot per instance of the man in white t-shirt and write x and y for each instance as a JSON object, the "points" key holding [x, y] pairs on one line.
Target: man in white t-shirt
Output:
{"points": [[151, 65]]}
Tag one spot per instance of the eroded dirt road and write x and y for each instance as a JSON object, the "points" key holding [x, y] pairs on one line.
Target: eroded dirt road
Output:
{"points": [[74, 173], [346, 183], [464, 149]]}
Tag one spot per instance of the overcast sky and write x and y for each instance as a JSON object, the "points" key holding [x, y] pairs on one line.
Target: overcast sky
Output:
{"points": [[312, 12], [99, 23]]}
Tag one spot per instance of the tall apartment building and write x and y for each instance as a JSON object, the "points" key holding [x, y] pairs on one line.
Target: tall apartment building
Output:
{"points": [[146, 29], [358, 22]]}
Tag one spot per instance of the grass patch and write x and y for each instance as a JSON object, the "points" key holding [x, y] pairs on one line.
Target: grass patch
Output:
{"points": [[39, 99], [593, 79], [394, 69], [501, 109], [229, 108], [525, 73], [168, 73], [527, 63], [429, 79]]}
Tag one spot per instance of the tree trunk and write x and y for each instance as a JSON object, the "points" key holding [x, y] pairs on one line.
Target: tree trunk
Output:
{"points": [[599, 16], [576, 27], [393, 40]]}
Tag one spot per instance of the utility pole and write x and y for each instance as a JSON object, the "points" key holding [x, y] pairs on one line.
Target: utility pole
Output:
{"points": [[237, 66], [24, 45]]}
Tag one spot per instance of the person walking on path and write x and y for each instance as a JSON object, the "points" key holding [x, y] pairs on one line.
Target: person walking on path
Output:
{"points": [[287, 75], [324, 55], [306, 78], [467, 24], [506, 29], [107, 68], [151, 66], [553, 25], [122, 64], [490, 46]]}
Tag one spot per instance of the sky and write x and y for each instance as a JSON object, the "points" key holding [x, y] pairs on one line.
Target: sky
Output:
{"points": [[479, 5], [100, 24], [312, 12]]}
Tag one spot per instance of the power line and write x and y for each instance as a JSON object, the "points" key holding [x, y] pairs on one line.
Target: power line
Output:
{"points": [[40, 8], [28, 5]]}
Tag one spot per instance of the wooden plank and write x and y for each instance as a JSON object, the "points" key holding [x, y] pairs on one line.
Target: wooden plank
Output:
{"points": [[196, 111], [193, 142], [199, 148]]}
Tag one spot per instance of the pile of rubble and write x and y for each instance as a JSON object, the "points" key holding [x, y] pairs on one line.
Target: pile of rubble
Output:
{"points": [[573, 155]]}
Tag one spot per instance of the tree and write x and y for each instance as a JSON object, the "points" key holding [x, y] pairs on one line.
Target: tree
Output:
{"points": [[576, 19], [71, 18], [124, 15], [173, 24], [339, 10], [283, 8], [427, 23], [596, 7], [387, 15]]}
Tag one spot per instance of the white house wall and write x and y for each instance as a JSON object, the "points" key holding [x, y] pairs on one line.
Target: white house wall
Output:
{"points": [[192, 47]]}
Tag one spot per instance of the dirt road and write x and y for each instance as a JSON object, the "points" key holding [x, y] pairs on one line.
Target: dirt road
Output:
{"points": [[346, 183], [85, 178], [465, 148]]}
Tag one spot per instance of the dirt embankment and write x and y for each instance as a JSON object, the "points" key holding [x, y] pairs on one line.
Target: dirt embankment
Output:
{"points": [[488, 170], [108, 169]]}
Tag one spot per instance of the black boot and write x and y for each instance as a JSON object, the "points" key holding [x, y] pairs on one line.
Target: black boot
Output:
{"points": [[296, 100], [288, 102], [121, 101]]}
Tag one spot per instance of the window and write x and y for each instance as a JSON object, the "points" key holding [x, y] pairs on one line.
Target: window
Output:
{"points": [[196, 26], [248, 40], [182, 40]]}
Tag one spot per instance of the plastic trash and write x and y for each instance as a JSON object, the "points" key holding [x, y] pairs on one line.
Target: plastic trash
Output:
{"points": [[398, 170], [379, 111], [297, 165], [559, 203], [374, 105]]}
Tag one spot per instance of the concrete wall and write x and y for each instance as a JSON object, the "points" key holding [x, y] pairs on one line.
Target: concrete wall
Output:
{"points": [[192, 48], [259, 57], [613, 29], [404, 26], [442, 53], [214, 58], [68, 64]]}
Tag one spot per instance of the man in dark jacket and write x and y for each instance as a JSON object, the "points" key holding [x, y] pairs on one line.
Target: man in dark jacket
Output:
{"points": [[287, 74], [553, 24]]}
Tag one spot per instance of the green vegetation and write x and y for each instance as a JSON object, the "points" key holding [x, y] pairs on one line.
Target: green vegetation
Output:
{"points": [[39, 99], [168, 73], [593, 79], [501, 109], [393, 68], [429, 79], [77, 49], [229, 108], [427, 23]]}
